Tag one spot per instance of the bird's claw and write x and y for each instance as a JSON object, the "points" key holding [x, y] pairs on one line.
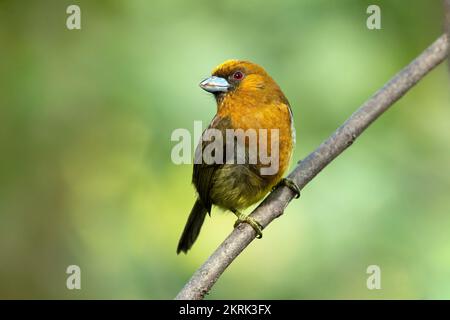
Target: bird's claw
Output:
{"points": [[290, 184], [251, 221]]}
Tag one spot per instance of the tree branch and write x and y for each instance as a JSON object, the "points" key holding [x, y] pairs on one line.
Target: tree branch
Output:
{"points": [[447, 25], [275, 203]]}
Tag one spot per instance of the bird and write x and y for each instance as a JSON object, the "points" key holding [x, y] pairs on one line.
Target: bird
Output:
{"points": [[247, 97]]}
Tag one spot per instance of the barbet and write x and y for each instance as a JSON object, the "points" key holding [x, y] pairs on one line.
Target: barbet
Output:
{"points": [[250, 100]]}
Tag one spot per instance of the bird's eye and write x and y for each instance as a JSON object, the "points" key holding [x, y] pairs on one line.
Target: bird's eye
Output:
{"points": [[238, 75]]}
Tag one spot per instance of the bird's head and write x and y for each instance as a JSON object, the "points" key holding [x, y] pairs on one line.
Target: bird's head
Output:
{"points": [[241, 79]]}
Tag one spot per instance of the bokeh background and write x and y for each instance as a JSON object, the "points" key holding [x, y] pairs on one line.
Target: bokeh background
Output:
{"points": [[86, 176]]}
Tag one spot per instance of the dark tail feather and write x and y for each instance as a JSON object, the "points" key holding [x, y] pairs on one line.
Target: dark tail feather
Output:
{"points": [[192, 228]]}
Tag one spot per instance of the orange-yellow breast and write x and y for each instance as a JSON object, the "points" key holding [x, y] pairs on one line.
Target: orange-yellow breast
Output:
{"points": [[254, 113]]}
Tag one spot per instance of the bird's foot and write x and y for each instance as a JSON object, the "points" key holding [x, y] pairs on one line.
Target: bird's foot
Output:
{"points": [[290, 184], [250, 220]]}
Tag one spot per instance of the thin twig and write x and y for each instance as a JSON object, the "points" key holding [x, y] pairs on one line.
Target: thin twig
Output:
{"points": [[274, 204]]}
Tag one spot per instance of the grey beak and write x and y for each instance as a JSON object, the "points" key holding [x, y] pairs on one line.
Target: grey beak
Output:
{"points": [[215, 84]]}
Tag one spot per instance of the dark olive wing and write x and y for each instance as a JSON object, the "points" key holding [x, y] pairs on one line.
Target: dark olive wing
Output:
{"points": [[203, 172]]}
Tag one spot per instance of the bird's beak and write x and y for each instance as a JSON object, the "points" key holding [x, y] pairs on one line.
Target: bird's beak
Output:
{"points": [[215, 84]]}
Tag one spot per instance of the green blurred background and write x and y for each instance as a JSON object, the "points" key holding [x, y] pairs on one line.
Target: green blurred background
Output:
{"points": [[86, 176]]}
